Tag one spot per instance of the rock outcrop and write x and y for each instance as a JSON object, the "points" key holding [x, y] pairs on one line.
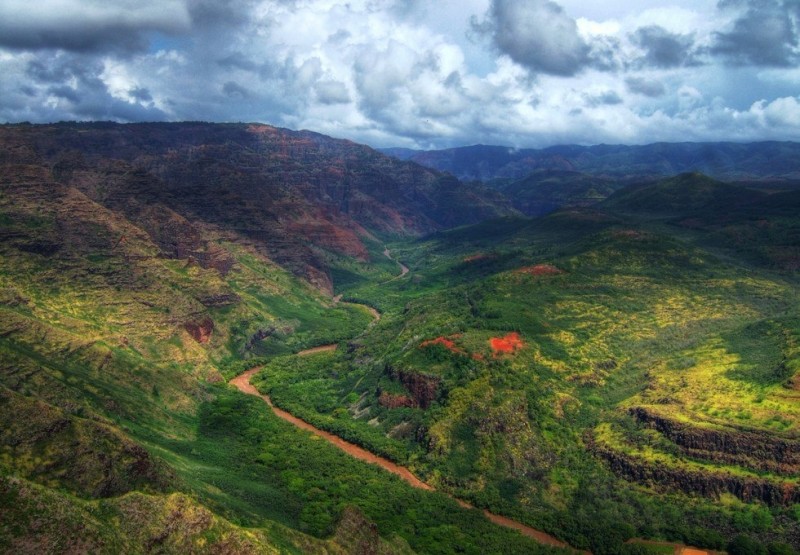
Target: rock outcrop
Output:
{"points": [[392, 401], [423, 389], [292, 195], [711, 484], [751, 449], [200, 330]]}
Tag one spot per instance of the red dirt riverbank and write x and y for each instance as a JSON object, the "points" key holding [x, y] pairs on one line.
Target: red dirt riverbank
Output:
{"points": [[242, 383]]}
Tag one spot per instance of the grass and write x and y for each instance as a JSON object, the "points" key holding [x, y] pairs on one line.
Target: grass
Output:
{"points": [[638, 315]]}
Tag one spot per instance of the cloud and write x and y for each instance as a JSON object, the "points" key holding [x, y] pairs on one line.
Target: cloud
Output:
{"points": [[781, 112], [765, 33], [664, 49], [537, 34], [646, 87], [88, 25], [220, 13], [604, 98], [332, 92], [69, 86], [235, 90], [413, 73]]}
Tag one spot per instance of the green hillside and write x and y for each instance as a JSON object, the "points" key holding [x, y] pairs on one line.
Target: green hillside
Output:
{"points": [[604, 373], [122, 315], [643, 382]]}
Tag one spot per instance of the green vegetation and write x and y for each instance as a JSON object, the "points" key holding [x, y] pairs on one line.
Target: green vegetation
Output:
{"points": [[615, 313], [114, 416], [624, 371]]}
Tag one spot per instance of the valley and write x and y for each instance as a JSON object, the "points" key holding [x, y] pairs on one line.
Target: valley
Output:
{"points": [[603, 363]]}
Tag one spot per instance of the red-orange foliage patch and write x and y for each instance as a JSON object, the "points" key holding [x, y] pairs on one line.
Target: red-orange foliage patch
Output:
{"points": [[541, 270], [448, 343], [512, 342]]}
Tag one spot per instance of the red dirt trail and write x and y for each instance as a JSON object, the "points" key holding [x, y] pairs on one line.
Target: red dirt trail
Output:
{"points": [[403, 268], [242, 383]]}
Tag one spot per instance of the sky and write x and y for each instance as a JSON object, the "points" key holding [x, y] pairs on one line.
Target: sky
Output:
{"points": [[413, 73]]}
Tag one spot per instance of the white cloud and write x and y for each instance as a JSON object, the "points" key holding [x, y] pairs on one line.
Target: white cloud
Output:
{"points": [[403, 72], [781, 112]]}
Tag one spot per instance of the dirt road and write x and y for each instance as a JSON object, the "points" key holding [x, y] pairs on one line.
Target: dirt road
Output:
{"points": [[242, 383]]}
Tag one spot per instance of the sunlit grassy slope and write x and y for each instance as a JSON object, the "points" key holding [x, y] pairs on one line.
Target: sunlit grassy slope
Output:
{"points": [[654, 392], [117, 431]]}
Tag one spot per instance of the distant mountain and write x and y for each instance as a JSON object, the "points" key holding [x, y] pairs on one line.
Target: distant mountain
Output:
{"points": [[757, 225], [545, 191], [687, 193], [400, 153], [762, 162], [292, 194]]}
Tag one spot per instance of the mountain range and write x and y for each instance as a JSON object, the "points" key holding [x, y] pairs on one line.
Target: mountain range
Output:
{"points": [[598, 347], [763, 162]]}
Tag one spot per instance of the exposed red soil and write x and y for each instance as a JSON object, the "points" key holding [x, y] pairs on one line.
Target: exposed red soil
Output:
{"points": [[448, 342], [242, 383], [200, 330], [392, 401], [678, 549], [321, 231], [511, 343], [540, 270]]}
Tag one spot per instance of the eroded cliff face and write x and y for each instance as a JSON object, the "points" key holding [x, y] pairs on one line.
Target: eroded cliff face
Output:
{"points": [[291, 195], [753, 466], [750, 449], [392, 401], [423, 389], [200, 329], [712, 483]]}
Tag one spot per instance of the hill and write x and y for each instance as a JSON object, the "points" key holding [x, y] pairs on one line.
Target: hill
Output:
{"points": [[764, 164], [141, 267], [545, 191], [291, 194], [605, 368], [623, 367], [741, 222]]}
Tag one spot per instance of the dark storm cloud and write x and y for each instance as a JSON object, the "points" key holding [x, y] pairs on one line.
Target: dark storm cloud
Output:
{"points": [[764, 34], [537, 34], [664, 49], [88, 26], [220, 13], [69, 87], [646, 87], [141, 94], [235, 90]]}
